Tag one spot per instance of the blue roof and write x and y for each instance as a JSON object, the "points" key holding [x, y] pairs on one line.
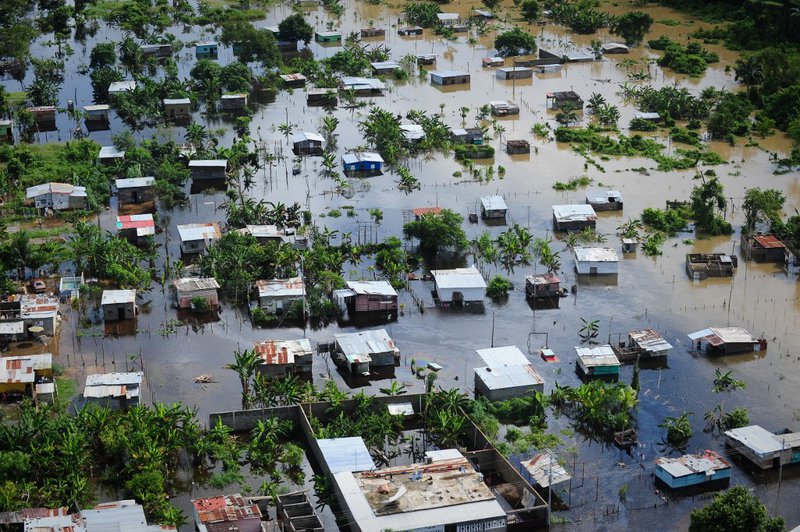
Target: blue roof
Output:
{"points": [[345, 454]]}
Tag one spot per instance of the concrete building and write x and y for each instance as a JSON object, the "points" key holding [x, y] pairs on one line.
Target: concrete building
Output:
{"points": [[556, 100], [136, 190], [726, 341], [276, 296], [514, 72], [195, 238], [701, 266], [370, 32], [459, 286], [597, 361], [177, 108], [518, 147], [282, 358], [226, 513], [361, 351], [604, 200], [575, 217], [426, 59], [763, 448], [208, 169], [596, 261], [449, 77], [472, 135], [409, 31], [136, 228], [493, 207], [189, 288], [307, 143], [117, 391], [118, 305], [57, 196]]}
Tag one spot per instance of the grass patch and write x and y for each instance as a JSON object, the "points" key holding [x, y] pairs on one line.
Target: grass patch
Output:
{"points": [[66, 389], [573, 183]]}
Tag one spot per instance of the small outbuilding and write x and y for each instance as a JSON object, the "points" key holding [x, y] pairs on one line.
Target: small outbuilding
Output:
{"points": [[514, 72], [472, 135], [118, 305], [450, 77], [368, 297], [614, 48], [493, 207], [110, 155], [362, 86], [206, 50], [177, 108], [328, 37], [763, 248], [44, 116], [120, 87], [426, 59], [188, 289], [233, 102], [508, 374], [307, 143], [598, 361], [283, 358], [24, 375], [6, 130], [704, 470], [596, 261], [504, 108], [448, 19], [412, 132], [135, 190], [409, 31], [575, 217], [276, 296], [604, 200], [196, 237], [380, 68], [96, 113], [459, 287], [489, 62], [701, 266], [555, 100], [518, 147], [322, 96], [368, 33], [294, 81], [545, 470], [208, 169], [227, 513], [116, 391], [362, 163], [644, 344], [726, 341], [650, 117], [365, 350], [157, 50], [266, 234], [136, 228], [543, 286], [57, 196]]}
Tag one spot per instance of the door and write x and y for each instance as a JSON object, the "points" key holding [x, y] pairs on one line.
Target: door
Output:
{"points": [[458, 298], [593, 270]]}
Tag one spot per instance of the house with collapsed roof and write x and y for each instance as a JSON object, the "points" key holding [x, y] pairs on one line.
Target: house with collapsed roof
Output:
{"points": [[226, 513]]}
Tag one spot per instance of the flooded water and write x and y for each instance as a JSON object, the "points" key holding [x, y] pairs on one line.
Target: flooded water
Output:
{"points": [[652, 292]]}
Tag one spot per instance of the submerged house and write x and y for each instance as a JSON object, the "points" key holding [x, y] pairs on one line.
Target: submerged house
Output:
{"points": [[57, 196], [487, 62], [517, 147], [504, 108], [408, 31], [372, 32], [206, 50], [726, 341], [596, 261], [6, 130], [598, 361], [110, 155], [362, 86], [322, 96], [195, 238], [514, 72], [574, 217], [136, 227], [614, 48], [157, 50], [543, 286], [763, 248], [177, 108], [368, 297], [471, 135], [116, 391], [188, 289], [412, 132], [29, 316], [426, 59], [705, 469], [545, 470], [507, 374], [763, 448], [294, 81], [278, 295], [208, 169], [642, 344], [380, 68], [701, 266], [365, 350], [307, 143], [604, 200], [449, 77], [283, 358], [266, 234], [119, 87], [96, 113], [233, 102], [362, 163], [118, 305], [493, 207], [328, 36], [135, 190], [44, 116], [459, 286], [555, 100]]}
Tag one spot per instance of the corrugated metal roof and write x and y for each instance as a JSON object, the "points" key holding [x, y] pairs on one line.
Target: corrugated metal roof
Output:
{"points": [[117, 297], [194, 284], [613, 45], [381, 288], [282, 351], [345, 454], [135, 182], [400, 409], [225, 509], [596, 255], [412, 131], [509, 355], [383, 65], [599, 355], [357, 83], [121, 86], [448, 73], [440, 455], [603, 196], [122, 516], [756, 438], [200, 231], [649, 340], [177, 101], [768, 241], [364, 156], [208, 163], [110, 152], [307, 135], [280, 287], [689, 464], [55, 188], [503, 377], [359, 345], [572, 213], [16, 370], [459, 278], [293, 77], [494, 203], [38, 306], [131, 378], [235, 96], [723, 335], [97, 392], [265, 231], [541, 279], [646, 116], [545, 469], [137, 221], [421, 211]]}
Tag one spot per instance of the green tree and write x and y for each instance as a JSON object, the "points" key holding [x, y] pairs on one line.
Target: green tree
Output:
{"points": [[206, 77], [438, 231], [632, 26], [295, 28], [42, 92], [103, 54], [679, 429], [530, 10], [734, 510], [498, 287], [762, 206], [422, 13], [236, 77], [731, 116], [515, 42], [251, 44], [708, 199]]}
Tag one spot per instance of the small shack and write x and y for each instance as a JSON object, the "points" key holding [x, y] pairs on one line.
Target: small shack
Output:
{"points": [[226, 513], [370, 32], [763, 248], [380, 68], [21, 375], [412, 132], [514, 72], [110, 155], [598, 361], [322, 96], [136, 228], [362, 86], [555, 100], [120, 87], [518, 147], [575, 217], [307, 143], [471, 135], [206, 50], [57, 196], [44, 115], [159, 51], [544, 470], [726, 341], [409, 31], [283, 358], [177, 108], [508, 374], [136, 190], [504, 108], [195, 238], [365, 350], [419, 212], [614, 48], [543, 286], [493, 207], [362, 163], [188, 289], [118, 305], [426, 59], [701, 266], [604, 200], [643, 344], [277, 296], [596, 261], [293, 81], [233, 102], [449, 77], [116, 391], [328, 37], [266, 234], [705, 470], [650, 117], [448, 19], [368, 297], [459, 287], [208, 169], [6, 130], [763, 448], [488, 62], [96, 113]]}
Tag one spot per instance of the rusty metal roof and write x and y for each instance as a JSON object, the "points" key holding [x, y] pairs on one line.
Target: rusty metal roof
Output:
{"points": [[768, 241], [421, 211], [225, 508], [282, 351]]}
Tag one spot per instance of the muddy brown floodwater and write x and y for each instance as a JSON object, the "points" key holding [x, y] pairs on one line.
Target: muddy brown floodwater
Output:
{"points": [[648, 291]]}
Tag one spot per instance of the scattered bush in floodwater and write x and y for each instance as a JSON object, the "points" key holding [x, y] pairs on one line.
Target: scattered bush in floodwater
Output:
{"points": [[498, 287], [573, 183]]}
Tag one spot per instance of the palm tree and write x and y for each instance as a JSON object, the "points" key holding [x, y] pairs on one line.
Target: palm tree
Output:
{"points": [[394, 389], [567, 114], [196, 135], [595, 101], [245, 366], [589, 330]]}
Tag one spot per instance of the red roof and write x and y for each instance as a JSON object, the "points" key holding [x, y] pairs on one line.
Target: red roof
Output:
{"points": [[768, 241], [421, 211], [270, 354], [135, 221], [227, 509]]}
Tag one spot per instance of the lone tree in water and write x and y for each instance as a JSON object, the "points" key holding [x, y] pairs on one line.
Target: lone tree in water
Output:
{"points": [[515, 42], [632, 26], [437, 231], [734, 510]]}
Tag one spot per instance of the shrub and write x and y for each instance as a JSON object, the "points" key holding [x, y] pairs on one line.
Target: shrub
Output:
{"points": [[498, 287]]}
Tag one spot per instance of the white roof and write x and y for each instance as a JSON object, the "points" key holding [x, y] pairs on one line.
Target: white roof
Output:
{"points": [[443, 454], [578, 211], [135, 182], [383, 65], [602, 196], [612, 45], [447, 16], [494, 203], [116, 297], [511, 68], [504, 377], [99, 107], [120, 516], [110, 152], [382, 288], [121, 86], [580, 56], [306, 135], [177, 101], [206, 163], [366, 156], [689, 464], [6, 122], [235, 96], [724, 335], [265, 231], [412, 131], [55, 188], [503, 104], [115, 379], [459, 278], [198, 231], [357, 83], [650, 340], [328, 33], [646, 116], [345, 454], [599, 355], [292, 287], [509, 355], [596, 255], [400, 409], [364, 343], [758, 439], [545, 469], [448, 73], [12, 327], [194, 284]]}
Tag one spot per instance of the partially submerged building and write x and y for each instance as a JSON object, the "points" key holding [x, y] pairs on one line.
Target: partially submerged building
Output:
{"points": [[493, 207], [362, 351], [27, 375], [120, 87], [188, 289], [459, 287], [96, 113], [195, 238], [208, 169], [177, 108], [328, 37], [496, 61], [701, 266], [763, 448], [545, 471], [544, 286], [30, 316], [381, 68], [575, 217], [322, 96], [518, 147], [705, 469], [450, 77], [307, 143], [136, 228], [426, 59], [763, 248], [283, 358], [57, 196], [6, 130], [266, 234], [206, 50], [233, 102], [556, 100], [412, 132], [598, 361], [642, 344], [368, 298], [362, 86], [278, 295], [471, 135], [514, 72], [157, 50], [136, 190], [614, 48], [507, 374], [296, 513], [118, 304], [604, 200], [294, 81], [44, 116], [226, 513], [409, 31], [726, 341], [372, 32], [366, 163], [504, 108], [596, 261], [117, 391]]}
